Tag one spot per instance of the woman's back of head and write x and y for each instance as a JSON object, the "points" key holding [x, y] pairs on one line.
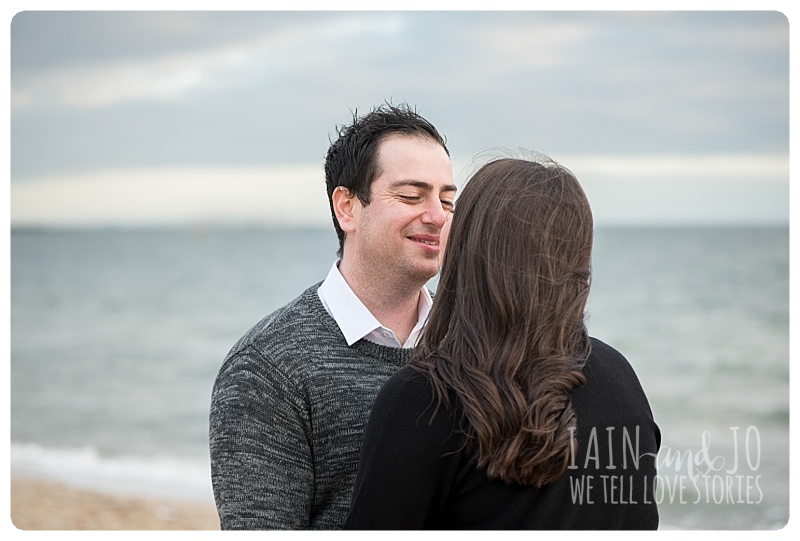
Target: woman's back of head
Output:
{"points": [[506, 333]]}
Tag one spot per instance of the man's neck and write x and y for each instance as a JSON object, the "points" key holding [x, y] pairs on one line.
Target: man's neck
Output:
{"points": [[394, 305]]}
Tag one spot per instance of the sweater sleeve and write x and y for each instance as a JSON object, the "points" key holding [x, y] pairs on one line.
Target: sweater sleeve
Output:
{"points": [[407, 463], [261, 460]]}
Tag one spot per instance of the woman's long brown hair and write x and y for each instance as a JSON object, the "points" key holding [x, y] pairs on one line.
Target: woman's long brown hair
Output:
{"points": [[506, 333]]}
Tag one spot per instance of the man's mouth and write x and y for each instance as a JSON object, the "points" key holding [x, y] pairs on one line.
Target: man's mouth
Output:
{"points": [[428, 240]]}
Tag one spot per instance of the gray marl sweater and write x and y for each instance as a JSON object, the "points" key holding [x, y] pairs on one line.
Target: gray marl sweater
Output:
{"points": [[288, 412]]}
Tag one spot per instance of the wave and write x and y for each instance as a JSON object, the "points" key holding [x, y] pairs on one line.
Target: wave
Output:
{"points": [[171, 477]]}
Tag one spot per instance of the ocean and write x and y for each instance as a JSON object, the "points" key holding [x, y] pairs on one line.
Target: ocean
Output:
{"points": [[117, 335]]}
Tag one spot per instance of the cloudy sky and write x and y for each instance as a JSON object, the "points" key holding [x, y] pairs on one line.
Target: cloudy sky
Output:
{"points": [[225, 117]]}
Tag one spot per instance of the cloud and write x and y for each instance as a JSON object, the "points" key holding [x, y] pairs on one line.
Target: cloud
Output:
{"points": [[168, 77], [520, 45], [643, 100], [173, 75], [291, 195]]}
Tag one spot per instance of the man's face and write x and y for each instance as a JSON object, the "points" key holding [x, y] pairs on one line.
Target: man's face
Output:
{"points": [[399, 232]]}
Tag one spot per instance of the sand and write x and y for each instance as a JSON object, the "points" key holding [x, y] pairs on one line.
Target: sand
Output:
{"points": [[38, 504]]}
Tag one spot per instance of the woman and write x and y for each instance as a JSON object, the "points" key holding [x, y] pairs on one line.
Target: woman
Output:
{"points": [[511, 416]]}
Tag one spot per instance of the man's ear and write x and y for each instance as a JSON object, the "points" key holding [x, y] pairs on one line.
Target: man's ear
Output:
{"points": [[347, 208]]}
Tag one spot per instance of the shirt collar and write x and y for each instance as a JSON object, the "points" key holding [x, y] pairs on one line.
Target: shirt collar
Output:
{"points": [[356, 321]]}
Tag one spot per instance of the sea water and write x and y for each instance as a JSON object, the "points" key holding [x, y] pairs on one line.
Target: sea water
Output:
{"points": [[116, 337]]}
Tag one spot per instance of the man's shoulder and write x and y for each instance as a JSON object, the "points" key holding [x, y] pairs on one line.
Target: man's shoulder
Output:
{"points": [[296, 312], [301, 320]]}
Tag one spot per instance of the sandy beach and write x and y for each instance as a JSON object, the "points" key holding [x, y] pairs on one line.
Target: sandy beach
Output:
{"points": [[38, 504]]}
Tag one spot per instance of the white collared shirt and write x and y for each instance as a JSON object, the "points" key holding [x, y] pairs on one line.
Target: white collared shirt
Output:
{"points": [[356, 321]]}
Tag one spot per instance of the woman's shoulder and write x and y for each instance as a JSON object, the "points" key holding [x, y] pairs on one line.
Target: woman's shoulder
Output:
{"points": [[604, 350], [409, 374], [608, 365], [408, 385], [609, 372], [607, 356], [408, 405]]}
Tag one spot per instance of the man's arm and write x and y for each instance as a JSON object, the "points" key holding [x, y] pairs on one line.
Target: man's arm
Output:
{"points": [[261, 460]]}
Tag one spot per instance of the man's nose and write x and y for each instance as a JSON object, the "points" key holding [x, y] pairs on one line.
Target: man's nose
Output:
{"points": [[435, 214]]}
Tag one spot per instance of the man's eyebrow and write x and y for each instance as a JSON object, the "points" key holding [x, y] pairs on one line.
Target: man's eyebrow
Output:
{"points": [[422, 185]]}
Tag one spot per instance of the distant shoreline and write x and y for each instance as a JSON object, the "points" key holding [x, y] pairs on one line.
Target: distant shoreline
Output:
{"points": [[200, 229]]}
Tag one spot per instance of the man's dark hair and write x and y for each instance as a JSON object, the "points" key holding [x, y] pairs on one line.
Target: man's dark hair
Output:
{"points": [[352, 160]]}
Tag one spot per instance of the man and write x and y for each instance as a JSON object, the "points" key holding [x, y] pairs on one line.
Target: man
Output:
{"points": [[292, 398]]}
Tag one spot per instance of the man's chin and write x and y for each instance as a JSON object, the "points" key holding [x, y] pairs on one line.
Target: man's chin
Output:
{"points": [[427, 271]]}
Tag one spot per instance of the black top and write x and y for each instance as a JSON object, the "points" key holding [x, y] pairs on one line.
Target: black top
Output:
{"points": [[414, 474]]}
